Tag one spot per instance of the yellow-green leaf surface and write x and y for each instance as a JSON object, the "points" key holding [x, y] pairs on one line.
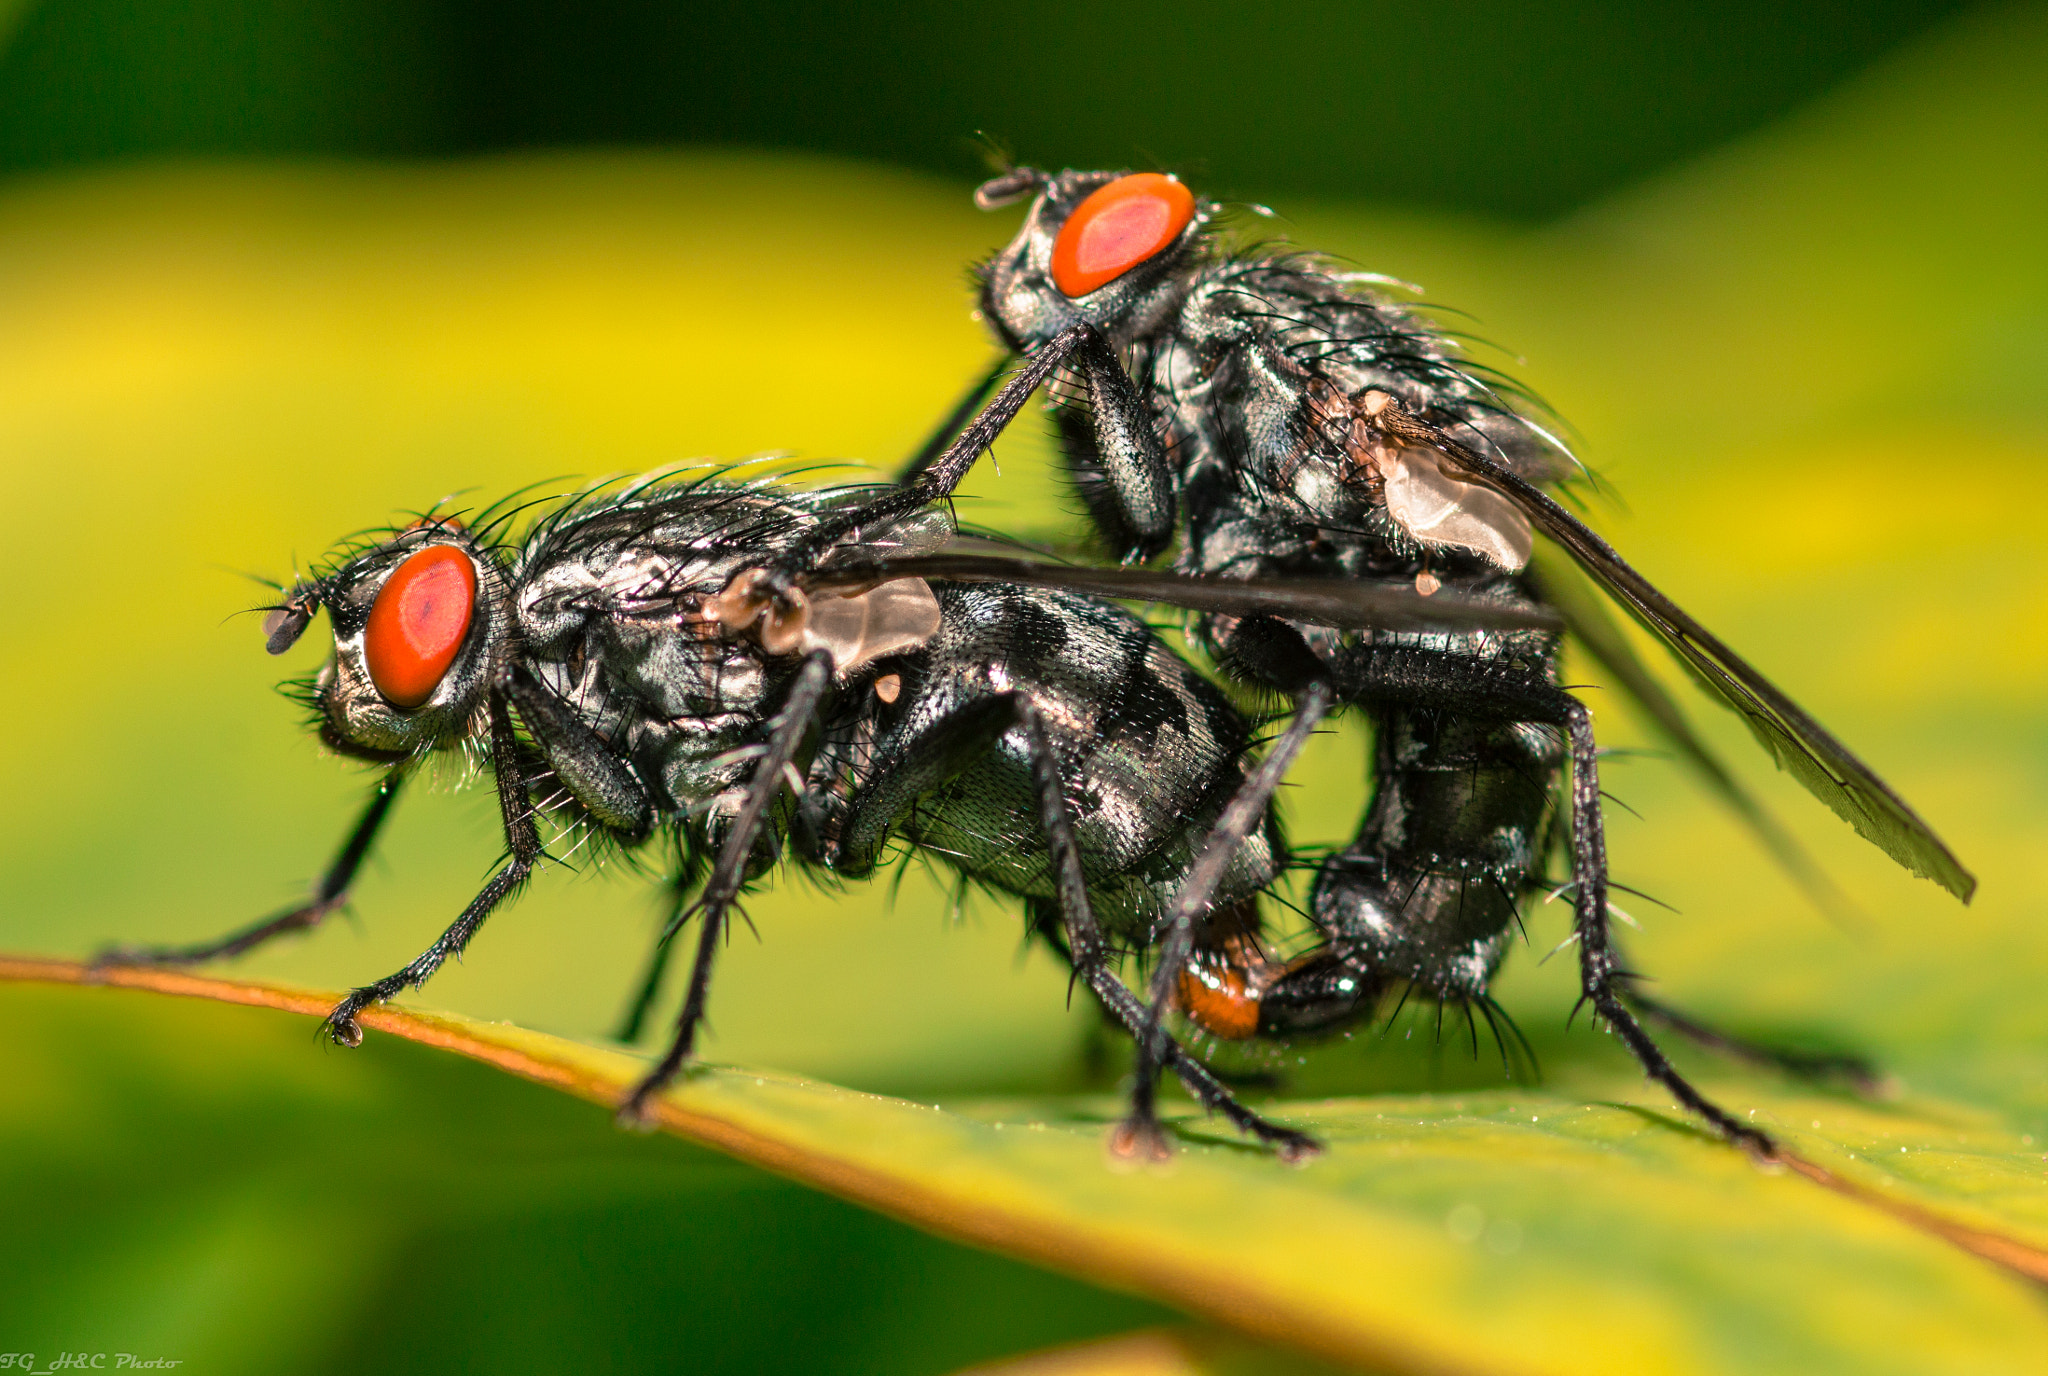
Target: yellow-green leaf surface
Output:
{"points": [[1812, 364], [1152, 1352], [1487, 1232]]}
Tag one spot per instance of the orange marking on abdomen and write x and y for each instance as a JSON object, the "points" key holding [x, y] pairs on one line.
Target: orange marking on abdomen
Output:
{"points": [[1217, 999]]}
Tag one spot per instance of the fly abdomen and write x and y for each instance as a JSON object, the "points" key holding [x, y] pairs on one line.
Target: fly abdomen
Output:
{"points": [[1151, 751], [1428, 890]]}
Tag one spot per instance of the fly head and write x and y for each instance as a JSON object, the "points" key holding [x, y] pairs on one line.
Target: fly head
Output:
{"points": [[1108, 249], [420, 625]]}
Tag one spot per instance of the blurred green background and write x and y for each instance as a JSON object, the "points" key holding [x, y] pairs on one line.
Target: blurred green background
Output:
{"points": [[270, 273], [1478, 105]]}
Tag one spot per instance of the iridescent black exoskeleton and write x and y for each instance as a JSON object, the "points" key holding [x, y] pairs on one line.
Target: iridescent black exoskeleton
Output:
{"points": [[1263, 415], [619, 674]]}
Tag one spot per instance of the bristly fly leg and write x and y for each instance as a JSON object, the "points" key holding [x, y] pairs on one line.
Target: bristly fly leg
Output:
{"points": [[1600, 975], [963, 410], [522, 839], [1089, 953], [1403, 675], [729, 873], [1855, 1071], [329, 895], [1140, 1133], [1129, 445], [681, 884]]}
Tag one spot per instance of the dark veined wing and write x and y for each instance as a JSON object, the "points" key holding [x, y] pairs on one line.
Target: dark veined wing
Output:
{"points": [[1342, 603], [1799, 744], [1587, 618]]}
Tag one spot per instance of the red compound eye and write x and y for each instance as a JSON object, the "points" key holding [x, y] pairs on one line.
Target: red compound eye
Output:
{"points": [[417, 623], [1117, 228]]}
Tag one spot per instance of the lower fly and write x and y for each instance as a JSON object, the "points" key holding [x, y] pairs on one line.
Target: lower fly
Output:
{"points": [[619, 672]]}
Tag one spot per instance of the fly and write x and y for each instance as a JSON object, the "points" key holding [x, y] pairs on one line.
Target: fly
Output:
{"points": [[1266, 417], [625, 678]]}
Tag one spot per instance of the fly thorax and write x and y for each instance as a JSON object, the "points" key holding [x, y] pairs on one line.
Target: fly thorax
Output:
{"points": [[1319, 486], [678, 673], [559, 599], [696, 760]]}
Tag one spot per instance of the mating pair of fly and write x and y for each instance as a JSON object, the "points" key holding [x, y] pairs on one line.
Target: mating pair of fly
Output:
{"points": [[745, 671]]}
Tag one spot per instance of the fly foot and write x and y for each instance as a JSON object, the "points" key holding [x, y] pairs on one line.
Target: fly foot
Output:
{"points": [[1290, 1146], [341, 1025], [1140, 1139]]}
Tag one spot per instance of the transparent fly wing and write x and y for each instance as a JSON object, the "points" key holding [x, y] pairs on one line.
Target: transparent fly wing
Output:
{"points": [[1800, 745], [1589, 622], [1343, 603]]}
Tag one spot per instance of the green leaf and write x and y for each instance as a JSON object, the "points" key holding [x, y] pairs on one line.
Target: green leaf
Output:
{"points": [[1155, 1352], [1498, 1232]]}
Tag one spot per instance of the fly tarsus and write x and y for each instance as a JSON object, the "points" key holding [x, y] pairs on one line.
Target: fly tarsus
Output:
{"points": [[1857, 1072], [303, 918], [329, 896]]}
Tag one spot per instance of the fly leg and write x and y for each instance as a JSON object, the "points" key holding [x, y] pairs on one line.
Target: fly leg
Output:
{"points": [[970, 402], [522, 839], [680, 885], [730, 871], [1855, 1071], [1141, 1133], [1130, 451], [1089, 955], [328, 896], [1400, 676], [1600, 975]]}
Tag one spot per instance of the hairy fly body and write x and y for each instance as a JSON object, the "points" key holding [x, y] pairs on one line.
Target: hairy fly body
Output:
{"points": [[1262, 415], [617, 673]]}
